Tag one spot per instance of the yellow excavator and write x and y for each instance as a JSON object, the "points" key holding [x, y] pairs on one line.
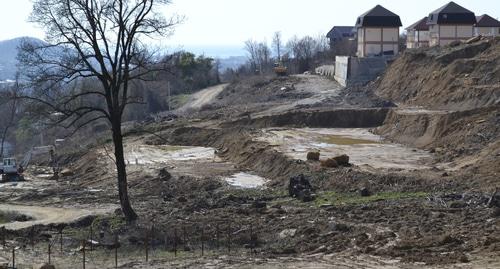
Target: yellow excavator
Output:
{"points": [[280, 69]]}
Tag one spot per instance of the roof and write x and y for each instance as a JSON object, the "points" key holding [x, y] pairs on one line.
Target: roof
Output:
{"points": [[486, 21], [341, 31], [451, 13], [420, 25], [378, 16]]}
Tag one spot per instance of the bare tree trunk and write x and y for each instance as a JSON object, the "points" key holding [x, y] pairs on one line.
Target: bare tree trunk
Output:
{"points": [[127, 209]]}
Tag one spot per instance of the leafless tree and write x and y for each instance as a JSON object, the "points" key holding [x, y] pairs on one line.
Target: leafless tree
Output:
{"points": [[11, 96], [259, 55], [277, 44], [99, 40]]}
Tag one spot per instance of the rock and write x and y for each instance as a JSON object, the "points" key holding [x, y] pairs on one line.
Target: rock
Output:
{"points": [[43, 266], [364, 192], [329, 163], [287, 233], [313, 156], [445, 174], [259, 204], [458, 204], [455, 43], [473, 39], [66, 172], [164, 174], [495, 212], [182, 199], [339, 227], [300, 187], [342, 160]]}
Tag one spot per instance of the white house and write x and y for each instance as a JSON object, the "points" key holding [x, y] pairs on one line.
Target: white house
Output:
{"points": [[378, 32], [417, 34], [449, 23], [486, 26]]}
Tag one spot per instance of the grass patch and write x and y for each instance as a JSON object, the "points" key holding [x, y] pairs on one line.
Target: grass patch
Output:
{"points": [[179, 100], [343, 140], [335, 198]]}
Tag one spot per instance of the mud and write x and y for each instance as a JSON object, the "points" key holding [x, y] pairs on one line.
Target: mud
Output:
{"points": [[362, 147]]}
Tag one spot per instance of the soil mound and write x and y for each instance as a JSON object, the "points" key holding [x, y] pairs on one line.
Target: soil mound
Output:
{"points": [[461, 77]]}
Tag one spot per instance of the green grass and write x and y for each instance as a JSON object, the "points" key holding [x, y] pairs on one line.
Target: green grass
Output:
{"points": [[335, 198], [179, 100]]}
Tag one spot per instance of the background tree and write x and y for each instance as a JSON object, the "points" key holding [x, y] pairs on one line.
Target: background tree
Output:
{"points": [[8, 112], [277, 44], [100, 40]]}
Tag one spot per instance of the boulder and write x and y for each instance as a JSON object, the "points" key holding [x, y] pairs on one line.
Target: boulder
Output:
{"points": [[164, 174], [313, 156], [66, 172], [329, 163], [364, 192], [342, 160], [300, 187], [287, 233]]}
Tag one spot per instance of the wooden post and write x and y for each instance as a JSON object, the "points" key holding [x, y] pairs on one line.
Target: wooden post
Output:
{"points": [[14, 258], [251, 239], [49, 253], [147, 247], [116, 250], [91, 239], [217, 236], [229, 238], [175, 242], [84, 253], [61, 239], [202, 241]]}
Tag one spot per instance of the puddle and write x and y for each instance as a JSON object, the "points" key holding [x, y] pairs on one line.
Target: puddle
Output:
{"points": [[144, 154], [246, 181], [363, 147]]}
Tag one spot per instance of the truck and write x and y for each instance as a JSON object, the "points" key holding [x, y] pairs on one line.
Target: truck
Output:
{"points": [[11, 170]]}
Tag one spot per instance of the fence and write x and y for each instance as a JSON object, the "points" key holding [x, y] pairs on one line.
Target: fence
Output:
{"points": [[95, 247]]}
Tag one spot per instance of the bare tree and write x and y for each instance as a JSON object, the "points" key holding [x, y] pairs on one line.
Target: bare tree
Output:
{"points": [[277, 44], [10, 114], [99, 40]]}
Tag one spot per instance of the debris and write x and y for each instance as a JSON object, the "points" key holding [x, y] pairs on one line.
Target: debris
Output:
{"points": [[313, 156], [330, 163], [300, 187], [66, 172], [164, 174], [287, 233], [364, 192], [342, 160], [473, 39]]}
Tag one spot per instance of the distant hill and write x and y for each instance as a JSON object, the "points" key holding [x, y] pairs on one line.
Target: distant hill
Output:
{"points": [[8, 54]]}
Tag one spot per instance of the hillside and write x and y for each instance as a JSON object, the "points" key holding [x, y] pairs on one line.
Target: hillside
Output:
{"points": [[8, 54], [463, 77]]}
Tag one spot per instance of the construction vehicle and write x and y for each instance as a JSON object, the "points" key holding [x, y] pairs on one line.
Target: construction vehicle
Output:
{"points": [[12, 170], [280, 69]]}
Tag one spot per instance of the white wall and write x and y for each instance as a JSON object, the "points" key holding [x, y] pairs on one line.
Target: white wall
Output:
{"points": [[377, 40], [487, 31]]}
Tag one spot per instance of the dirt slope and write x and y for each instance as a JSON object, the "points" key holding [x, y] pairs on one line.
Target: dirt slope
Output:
{"points": [[463, 77]]}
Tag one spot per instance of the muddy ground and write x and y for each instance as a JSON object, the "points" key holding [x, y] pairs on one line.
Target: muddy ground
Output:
{"points": [[216, 179]]}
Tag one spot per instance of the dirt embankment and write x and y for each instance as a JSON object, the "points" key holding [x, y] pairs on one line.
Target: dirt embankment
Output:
{"points": [[463, 77], [340, 118], [464, 139]]}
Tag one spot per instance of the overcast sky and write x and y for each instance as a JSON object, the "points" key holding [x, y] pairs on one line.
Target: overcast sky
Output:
{"points": [[230, 22]]}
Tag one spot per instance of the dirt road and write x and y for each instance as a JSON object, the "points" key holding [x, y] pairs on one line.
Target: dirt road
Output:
{"points": [[202, 97], [49, 215]]}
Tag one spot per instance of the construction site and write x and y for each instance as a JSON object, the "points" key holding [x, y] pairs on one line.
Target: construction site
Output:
{"points": [[282, 172]]}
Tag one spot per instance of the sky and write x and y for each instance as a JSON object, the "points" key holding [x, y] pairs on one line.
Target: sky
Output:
{"points": [[226, 24]]}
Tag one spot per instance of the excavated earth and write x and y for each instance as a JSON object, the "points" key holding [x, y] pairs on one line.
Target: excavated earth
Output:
{"points": [[224, 165]]}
